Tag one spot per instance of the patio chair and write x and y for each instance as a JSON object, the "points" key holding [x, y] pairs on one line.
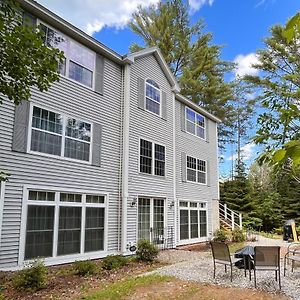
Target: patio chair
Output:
{"points": [[221, 255], [293, 255], [267, 258]]}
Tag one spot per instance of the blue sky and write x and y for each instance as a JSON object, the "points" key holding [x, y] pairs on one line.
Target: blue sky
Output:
{"points": [[238, 25]]}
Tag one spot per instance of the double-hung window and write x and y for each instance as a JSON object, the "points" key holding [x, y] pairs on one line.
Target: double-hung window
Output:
{"points": [[195, 123], [153, 97], [79, 63], [63, 223], [196, 170], [152, 158], [56, 134]]}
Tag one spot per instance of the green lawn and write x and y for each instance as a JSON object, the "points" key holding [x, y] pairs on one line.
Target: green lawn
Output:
{"points": [[123, 288]]}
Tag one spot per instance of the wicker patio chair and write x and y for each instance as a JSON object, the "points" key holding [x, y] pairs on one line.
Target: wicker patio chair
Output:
{"points": [[293, 255], [267, 258], [221, 255]]}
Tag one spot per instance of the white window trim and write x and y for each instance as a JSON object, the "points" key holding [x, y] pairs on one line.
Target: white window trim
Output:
{"points": [[64, 117], [186, 167], [198, 208], [66, 76], [69, 257], [151, 212], [2, 194], [160, 98], [152, 159], [186, 120]]}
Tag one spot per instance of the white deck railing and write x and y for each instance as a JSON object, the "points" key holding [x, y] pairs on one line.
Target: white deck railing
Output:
{"points": [[229, 217]]}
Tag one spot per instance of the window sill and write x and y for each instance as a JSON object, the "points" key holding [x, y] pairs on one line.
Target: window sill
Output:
{"points": [[60, 157], [199, 183], [152, 113], [79, 83], [196, 136], [152, 175]]}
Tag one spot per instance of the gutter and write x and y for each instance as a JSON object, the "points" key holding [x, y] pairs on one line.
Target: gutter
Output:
{"points": [[197, 108], [125, 162], [68, 29]]}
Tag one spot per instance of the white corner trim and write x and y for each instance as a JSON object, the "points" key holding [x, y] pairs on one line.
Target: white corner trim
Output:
{"points": [[125, 160], [174, 167], [2, 193]]}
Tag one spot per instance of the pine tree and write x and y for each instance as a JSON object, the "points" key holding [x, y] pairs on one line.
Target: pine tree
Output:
{"points": [[236, 193], [190, 55]]}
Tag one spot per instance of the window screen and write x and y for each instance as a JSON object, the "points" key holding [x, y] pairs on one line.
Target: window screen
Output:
{"points": [[39, 231]]}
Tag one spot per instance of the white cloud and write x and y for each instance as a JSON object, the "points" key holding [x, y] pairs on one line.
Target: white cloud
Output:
{"points": [[247, 152], [197, 4], [93, 15], [244, 64]]}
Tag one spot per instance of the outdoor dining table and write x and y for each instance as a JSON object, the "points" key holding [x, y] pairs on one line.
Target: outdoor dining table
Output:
{"points": [[247, 255]]}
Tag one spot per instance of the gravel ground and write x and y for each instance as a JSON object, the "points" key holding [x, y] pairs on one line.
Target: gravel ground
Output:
{"points": [[198, 266]]}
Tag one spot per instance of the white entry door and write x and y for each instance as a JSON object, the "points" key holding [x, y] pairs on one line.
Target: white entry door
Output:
{"points": [[151, 219]]}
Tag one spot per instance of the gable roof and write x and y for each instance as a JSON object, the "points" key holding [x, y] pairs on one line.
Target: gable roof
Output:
{"points": [[67, 28], [130, 58], [72, 31]]}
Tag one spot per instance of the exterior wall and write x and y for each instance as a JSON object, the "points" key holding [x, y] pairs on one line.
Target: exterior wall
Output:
{"points": [[146, 125], [75, 100], [201, 149], [57, 173]]}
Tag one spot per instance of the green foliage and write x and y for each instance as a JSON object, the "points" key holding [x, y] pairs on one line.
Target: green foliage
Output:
{"points": [[292, 28], [32, 278], [114, 262], [146, 251], [278, 231], [85, 267], [24, 59], [4, 176], [278, 124], [221, 235], [121, 289], [235, 193], [191, 56], [238, 236]]}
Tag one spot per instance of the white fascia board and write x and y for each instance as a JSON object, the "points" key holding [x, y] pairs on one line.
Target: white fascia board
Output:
{"points": [[158, 55], [68, 29], [197, 108]]}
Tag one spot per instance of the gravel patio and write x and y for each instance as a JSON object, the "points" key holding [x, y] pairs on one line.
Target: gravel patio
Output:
{"points": [[198, 266]]}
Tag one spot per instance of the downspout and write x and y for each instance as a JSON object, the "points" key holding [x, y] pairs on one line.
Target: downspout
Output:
{"points": [[125, 162], [120, 163], [174, 168]]}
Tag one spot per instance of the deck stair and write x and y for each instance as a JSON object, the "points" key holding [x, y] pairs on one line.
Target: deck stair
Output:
{"points": [[229, 219]]}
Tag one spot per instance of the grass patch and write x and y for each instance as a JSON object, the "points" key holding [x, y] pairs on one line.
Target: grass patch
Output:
{"points": [[123, 288], [271, 235], [236, 246]]}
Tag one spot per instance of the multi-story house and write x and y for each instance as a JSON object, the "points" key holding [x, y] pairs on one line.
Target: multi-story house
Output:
{"points": [[112, 153]]}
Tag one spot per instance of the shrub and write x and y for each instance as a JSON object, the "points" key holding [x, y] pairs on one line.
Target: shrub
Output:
{"points": [[238, 235], [32, 278], [146, 251], [278, 231], [113, 262], [220, 235], [85, 267]]}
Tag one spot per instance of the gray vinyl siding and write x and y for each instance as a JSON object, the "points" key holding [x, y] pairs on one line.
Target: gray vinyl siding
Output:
{"points": [[145, 125], [207, 150], [72, 99]]}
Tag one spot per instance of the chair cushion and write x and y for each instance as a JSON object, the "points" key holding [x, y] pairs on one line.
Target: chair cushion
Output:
{"points": [[294, 257]]}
